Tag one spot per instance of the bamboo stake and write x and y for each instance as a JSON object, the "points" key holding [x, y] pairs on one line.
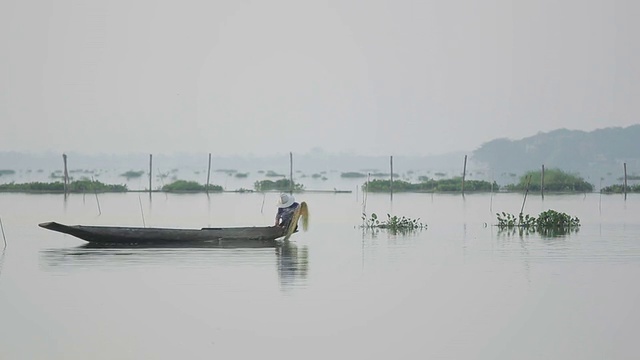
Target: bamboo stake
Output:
{"points": [[144, 224], [542, 182], [208, 173], [150, 172], [95, 191], [365, 195], [600, 199], [391, 176], [625, 181], [3, 236], [525, 194], [290, 173], [66, 174], [491, 198], [464, 173]]}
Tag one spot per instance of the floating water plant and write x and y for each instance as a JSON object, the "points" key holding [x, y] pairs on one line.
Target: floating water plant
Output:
{"points": [[619, 189], [190, 186], [428, 185], [352, 174], [280, 185], [271, 173], [546, 220], [79, 186], [393, 223], [131, 174]]}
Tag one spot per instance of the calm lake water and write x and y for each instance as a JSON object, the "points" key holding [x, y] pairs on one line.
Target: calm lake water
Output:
{"points": [[459, 289]]}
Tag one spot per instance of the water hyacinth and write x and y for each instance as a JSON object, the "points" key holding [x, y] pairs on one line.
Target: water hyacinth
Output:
{"points": [[393, 223], [546, 219]]}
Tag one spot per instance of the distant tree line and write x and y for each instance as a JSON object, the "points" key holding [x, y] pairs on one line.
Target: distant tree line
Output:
{"points": [[77, 186], [429, 185]]}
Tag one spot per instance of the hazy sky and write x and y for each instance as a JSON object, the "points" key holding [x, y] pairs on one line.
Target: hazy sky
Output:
{"points": [[263, 77]]}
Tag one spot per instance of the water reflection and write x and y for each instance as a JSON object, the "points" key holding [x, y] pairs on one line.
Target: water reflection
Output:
{"points": [[548, 233], [293, 265], [292, 262], [374, 232], [2, 260]]}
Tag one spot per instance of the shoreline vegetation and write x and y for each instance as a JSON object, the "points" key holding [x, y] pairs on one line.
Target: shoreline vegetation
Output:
{"points": [[551, 181]]}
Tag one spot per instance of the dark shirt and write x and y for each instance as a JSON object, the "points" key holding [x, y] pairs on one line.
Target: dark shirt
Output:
{"points": [[286, 214]]}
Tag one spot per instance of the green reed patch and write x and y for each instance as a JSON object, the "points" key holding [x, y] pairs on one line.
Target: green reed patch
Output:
{"points": [[619, 189], [280, 185], [549, 219], [271, 173], [190, 186], [131, 174], [393, 223], [429, 185], [78, 186], [352, 175]]}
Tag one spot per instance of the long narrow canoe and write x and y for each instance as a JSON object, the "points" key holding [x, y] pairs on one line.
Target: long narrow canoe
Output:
{"points": [[138, 235]]}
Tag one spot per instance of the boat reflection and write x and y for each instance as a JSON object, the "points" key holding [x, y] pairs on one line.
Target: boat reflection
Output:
{"points": [[292, 262], [293, 265]]}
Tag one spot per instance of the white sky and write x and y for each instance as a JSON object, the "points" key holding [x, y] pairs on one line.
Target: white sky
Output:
{"points": [[262, 77]]}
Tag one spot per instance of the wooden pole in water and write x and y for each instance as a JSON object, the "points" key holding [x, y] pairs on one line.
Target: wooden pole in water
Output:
{"points": [[391, 176], [66, 174], [144, 224], [464, 173], [542, 182], [3, 237], [208, 173], [95, 191], [525, 194], [625, 181], [150, 172], [290, 173]]}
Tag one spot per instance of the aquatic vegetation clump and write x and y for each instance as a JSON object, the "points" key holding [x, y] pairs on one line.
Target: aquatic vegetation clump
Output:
{"points": [[429, 185], [393, 223], [352, 174], [554, 180], [271, 173], [545, 220], [279, 185], [79, 186], [131, 174], [552, 218], [506, 220], [619, 189], [190, 186]]}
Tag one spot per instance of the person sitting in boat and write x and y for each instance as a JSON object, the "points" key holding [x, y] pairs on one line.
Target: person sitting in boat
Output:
{"points": [[287, 206]]}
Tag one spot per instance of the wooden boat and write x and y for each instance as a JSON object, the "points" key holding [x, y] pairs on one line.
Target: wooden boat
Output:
{"points": [[138, 235]]}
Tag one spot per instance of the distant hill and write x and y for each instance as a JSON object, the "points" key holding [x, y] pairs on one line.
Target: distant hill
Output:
{"points": [[594, 154]]}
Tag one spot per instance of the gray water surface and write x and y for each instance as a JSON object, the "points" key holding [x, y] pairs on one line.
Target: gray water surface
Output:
{"points": [[460, 289]]}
